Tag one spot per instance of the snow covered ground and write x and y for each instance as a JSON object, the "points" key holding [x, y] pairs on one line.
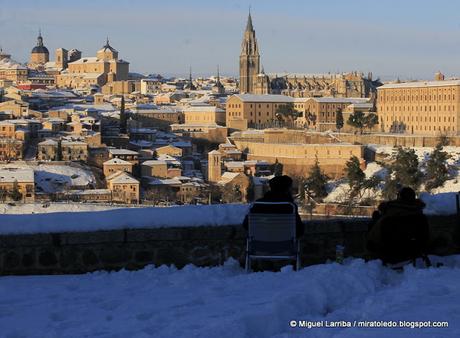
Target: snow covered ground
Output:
{"points": [[226, 302], [125, 218], [42, 208]]}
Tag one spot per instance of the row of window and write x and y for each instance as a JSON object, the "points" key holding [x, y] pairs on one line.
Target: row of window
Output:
{"points": [[423, 108], [427, 119], [401, 98]]}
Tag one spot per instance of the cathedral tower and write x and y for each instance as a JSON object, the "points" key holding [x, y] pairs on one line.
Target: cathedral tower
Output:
{"points": [[249, 59]]}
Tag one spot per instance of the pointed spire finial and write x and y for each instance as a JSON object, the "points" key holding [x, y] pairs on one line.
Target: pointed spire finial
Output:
{"points": [[39, 38], [218, 75], [249, 27]]}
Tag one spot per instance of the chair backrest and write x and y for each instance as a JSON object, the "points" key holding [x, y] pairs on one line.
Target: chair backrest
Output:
{"points": [[272, 221]]}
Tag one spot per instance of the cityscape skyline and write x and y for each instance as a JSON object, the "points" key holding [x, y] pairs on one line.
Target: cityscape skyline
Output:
{"points": [[199, 36]]}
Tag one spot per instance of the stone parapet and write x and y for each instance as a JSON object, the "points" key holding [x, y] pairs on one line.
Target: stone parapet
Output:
{"points": [[82, 252]]}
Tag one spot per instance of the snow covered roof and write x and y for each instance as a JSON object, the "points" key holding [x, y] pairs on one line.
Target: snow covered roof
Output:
{"points": [[154, 162], [234, 164], [203, 109], [88, 192], [115, 151], [340, 99], [265, 98], [416, 84], [117, 161], [228, 177], [10, 175], [48, 142], [73, 143], [7, 63], [122, 177]]}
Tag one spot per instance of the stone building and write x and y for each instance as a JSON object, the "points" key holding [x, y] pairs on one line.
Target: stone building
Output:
{"points": [[247, 110], [115, 164], [124, 187], [296, 150], [11, 70], [169, 150], [156, 117], [320, 113], [125, 154], [48, 150], [422, 107], [18, 108], [19, 179], [74, 151], [204, 115], [161, 169], [11, 149], [103, 68]]}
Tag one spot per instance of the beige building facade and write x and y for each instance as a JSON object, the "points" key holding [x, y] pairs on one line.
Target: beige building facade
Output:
{"points": [[297, 159], [425, 107], [204, 115], [124, 187], [20, 179]]}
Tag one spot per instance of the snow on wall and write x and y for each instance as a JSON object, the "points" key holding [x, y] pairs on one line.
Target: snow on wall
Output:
{"points": [[439, 204], [125, 218]]}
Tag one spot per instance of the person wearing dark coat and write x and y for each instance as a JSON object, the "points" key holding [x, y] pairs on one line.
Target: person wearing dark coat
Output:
{"points": [[280, 191], [400, 230]]}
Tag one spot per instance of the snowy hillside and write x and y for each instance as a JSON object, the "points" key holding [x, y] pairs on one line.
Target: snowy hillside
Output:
{"points": [[226, 302], [338, 189]]}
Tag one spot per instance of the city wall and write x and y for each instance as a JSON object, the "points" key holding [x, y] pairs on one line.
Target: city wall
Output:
{"points": [[82, 252], [301, 136]]}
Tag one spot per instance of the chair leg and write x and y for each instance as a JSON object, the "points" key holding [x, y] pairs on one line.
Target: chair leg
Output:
{"points": [[248, 264], [248, 260], [297, 262]]}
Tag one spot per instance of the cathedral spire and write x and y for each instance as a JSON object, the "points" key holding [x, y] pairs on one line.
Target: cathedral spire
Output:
{"points": [[249, 58], [249, 27]]}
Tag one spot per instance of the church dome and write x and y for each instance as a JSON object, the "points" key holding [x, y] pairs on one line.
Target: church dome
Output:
{"points": [[40, 49]]}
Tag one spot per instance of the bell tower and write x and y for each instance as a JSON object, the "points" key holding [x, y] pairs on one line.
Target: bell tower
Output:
{"points": [[249, 59]]}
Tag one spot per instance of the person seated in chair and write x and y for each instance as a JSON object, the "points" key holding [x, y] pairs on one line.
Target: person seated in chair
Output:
{"points": [[400, 231], [280, 191]]}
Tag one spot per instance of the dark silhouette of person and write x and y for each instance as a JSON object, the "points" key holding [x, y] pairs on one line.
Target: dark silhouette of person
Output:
{"points": [[400, 230], [280, 191]]}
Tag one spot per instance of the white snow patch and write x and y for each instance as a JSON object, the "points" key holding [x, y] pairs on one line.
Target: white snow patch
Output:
{"points": [[125, 218], [225, 302]]}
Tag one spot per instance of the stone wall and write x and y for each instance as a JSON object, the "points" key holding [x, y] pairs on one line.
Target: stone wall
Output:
{"points": [[81, 252]]}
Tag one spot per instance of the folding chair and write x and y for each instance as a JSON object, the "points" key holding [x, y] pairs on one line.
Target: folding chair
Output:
{"points": [[272, 233]]}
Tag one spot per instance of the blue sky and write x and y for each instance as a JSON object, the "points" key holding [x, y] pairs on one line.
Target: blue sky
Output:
{"points": [[405, 38]]}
